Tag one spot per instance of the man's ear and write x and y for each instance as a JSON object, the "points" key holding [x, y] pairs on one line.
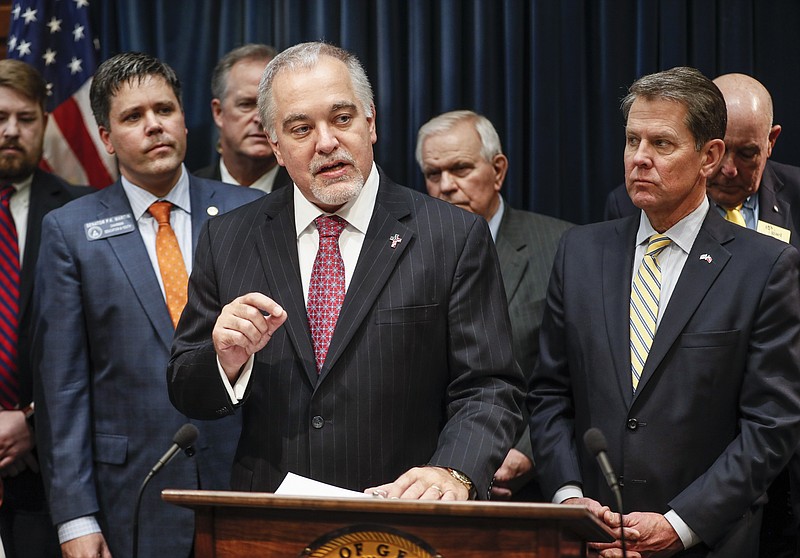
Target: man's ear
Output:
{"points": [[216, 112], [713, 151], [105, 137]]}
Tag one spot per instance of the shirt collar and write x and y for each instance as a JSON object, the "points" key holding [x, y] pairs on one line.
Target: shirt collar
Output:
{"points": [[357, 212], [683, 233], [23, 184], [140, 199], [263, 182], [494, 222]]}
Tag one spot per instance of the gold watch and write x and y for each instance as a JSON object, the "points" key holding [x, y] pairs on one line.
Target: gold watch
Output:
{"points": [[463, 479]]}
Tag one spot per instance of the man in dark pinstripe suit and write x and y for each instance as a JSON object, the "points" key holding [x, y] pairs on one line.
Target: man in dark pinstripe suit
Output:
{"points": [[419, 395], [460, 154]]}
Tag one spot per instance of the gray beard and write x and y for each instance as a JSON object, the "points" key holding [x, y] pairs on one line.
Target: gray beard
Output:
{"points": [[338, 192]]}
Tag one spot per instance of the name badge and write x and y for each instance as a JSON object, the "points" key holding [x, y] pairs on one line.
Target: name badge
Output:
{"points": [[774, 231], [110, 226]]}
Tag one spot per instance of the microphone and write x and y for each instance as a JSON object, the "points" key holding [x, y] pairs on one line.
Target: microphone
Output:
{"points": [[596, 443], [182, 440]]}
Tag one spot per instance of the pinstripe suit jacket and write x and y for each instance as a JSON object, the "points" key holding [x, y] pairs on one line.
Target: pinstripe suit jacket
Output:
{"points": [[419, 370], [101, 342]]}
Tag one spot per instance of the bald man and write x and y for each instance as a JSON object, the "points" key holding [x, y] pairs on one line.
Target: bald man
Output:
{"points": [[748, 188]]}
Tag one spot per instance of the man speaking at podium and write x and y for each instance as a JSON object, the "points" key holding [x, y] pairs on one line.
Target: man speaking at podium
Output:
{"points": [[360, 327], [677, 333]]}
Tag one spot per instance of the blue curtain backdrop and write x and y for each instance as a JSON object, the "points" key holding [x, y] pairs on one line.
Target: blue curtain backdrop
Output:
{"points": [[548, 73]]}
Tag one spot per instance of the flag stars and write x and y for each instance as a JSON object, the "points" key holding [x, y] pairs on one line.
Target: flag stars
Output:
{"points": [[24, 48], [75, 65], [54, 25], [15, 12], [49, 89], [81, 3], [29, 16], [49, 57], [77, 32], [12, 43]]}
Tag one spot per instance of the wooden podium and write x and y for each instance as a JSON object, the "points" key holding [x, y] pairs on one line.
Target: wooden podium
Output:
{"points": [[249, 524]]}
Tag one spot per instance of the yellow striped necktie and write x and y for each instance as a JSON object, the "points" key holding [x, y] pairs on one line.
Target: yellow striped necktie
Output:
{"points": [[645, 293], [734, 215]]}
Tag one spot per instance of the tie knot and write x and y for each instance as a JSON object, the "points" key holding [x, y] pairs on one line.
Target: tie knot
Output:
{"points": [[6, 191], [657, 244], [330, 225], [160, 211]]}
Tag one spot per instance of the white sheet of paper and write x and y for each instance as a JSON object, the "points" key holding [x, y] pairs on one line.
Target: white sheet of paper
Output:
{"points": [[296, 485]]}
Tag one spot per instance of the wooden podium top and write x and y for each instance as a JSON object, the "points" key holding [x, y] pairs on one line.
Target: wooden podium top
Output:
{"points": [[576, 519]]}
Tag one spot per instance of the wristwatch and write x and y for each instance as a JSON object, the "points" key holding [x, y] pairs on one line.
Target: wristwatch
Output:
{"points": [[463, 479]]}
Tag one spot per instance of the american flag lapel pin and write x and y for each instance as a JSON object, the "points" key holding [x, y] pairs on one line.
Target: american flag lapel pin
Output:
{"points": [[395, 240], [706, 258]]}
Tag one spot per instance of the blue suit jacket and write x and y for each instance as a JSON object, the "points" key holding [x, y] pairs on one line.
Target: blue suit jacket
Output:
{"points": [[716, 415], [419, 370], [101, 341]]}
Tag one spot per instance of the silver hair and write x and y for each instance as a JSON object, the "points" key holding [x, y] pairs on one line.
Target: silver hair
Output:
{"points": [[307, 56], [490, 140]]}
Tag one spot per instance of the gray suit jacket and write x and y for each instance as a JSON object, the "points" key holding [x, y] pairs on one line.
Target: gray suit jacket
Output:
{"points": [[101, 342], [526, 245], [420, 368]]}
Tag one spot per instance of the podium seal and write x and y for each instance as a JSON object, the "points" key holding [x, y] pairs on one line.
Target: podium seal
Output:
{"points": [[369, 541]]}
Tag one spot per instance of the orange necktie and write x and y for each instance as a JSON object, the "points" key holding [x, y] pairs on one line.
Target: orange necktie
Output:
{"points": [[170, 261]]}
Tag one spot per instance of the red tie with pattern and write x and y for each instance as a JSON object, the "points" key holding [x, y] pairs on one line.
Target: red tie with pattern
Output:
{"points": [[9, 302], [326, 289]]}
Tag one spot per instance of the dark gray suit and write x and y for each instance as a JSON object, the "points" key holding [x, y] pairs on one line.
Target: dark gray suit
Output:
{"points": [[420, 368], [526, 245], [101, 342], [716, 415]]}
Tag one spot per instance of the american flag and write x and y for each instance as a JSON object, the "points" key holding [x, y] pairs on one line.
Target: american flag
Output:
{"points": [[55, 37]]}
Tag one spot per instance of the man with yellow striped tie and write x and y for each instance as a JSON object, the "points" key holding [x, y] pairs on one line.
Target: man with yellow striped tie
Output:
{"points": [[677, 333]]}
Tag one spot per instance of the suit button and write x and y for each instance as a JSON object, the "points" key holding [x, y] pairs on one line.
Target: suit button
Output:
{"points": [[317, 422], [633, 424]]}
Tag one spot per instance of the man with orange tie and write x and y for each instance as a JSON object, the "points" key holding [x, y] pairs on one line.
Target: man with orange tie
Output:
{"points": [[112, 284]]}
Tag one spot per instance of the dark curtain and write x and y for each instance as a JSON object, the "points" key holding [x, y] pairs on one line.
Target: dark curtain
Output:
{"points": [[548, 73]]}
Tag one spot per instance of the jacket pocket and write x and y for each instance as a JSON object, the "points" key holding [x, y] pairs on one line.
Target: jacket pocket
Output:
{"points": [[406, 314], [111, 449]]}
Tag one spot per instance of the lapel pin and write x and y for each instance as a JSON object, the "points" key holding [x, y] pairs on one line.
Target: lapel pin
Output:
{"points": [[395, 240], [212, 210], [706, 258]]}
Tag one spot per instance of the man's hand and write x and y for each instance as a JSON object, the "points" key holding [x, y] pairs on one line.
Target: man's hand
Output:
{"points": [[423, 483], [88, 546], [16, 439], [512, 473], [244, 327], [646, 535]]}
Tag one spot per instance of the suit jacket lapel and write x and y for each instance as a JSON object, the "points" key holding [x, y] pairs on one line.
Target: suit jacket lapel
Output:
{"points": [[617, 272], [46, 195], [771, 208], [277, 246], [376, 262], [135, 263], [202, 201], [511, 253], [696, 278]]}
